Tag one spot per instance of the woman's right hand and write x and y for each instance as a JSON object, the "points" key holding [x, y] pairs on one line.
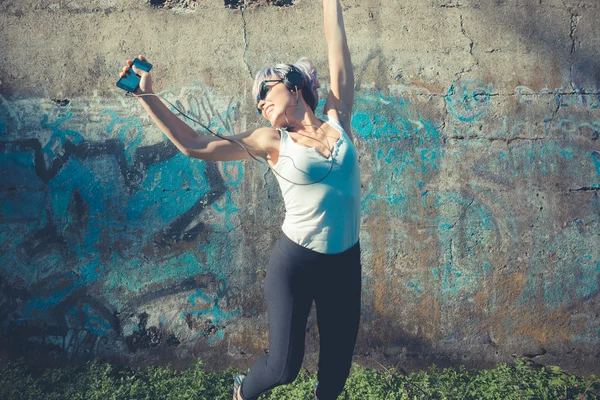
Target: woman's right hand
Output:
{"points": [[145, 85]]}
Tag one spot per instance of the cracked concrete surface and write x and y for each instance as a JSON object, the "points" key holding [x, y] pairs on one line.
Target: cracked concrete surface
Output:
{"points": [[471, 44], [246, 45], [477, 127]]}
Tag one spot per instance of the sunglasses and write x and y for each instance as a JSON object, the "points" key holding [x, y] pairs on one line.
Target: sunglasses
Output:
{"points": [[264, 89]]}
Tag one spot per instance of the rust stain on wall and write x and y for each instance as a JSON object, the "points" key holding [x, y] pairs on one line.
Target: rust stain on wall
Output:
{"points": [[378, 229]]}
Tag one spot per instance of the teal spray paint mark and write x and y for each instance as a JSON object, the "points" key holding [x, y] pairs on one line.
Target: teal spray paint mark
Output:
{"points": [[589, 276], [362, 125], [414, 287], [59, 136], [95, 324], [571, 274], [387, 158], [96, 194], [596, 157], [468, 100], [85, 275], [428, 157], [133, 275], [424, 194], [18, 169], [464, 260], [228, 209], [131, 142], [169, 189], [217, 315], [234, 172], [26, 199], [394, 195]]}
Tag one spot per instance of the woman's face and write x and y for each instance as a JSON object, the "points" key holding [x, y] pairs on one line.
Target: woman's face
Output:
{"points": [[275, 102]]}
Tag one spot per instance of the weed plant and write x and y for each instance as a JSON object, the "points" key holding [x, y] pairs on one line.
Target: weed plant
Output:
{"points": [[99, 380]]}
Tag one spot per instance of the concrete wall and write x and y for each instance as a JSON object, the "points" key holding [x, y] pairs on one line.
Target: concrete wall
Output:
{"points": [[477, 124]]}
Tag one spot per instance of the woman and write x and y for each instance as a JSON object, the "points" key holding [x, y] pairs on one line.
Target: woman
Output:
{"points": [[318, 255]]}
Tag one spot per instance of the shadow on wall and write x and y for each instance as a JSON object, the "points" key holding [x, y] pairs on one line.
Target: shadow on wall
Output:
{"points": [[546, 37]]}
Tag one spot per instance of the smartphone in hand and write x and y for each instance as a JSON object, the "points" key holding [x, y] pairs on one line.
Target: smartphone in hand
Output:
{"points": [[131, 81]]}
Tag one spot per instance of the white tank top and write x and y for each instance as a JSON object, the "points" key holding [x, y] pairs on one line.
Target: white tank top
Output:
{"points": [[324, 216]]}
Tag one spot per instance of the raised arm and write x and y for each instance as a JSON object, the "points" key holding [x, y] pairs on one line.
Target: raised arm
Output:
{"points": [[259, 142], [341, 94]]}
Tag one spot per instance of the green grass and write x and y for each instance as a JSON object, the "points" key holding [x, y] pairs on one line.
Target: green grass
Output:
{"points": [[100, 380]]}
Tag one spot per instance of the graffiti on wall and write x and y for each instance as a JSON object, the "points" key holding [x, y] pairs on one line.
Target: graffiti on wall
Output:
{"points": [[456, 194], [98, 225], [113, 239]]}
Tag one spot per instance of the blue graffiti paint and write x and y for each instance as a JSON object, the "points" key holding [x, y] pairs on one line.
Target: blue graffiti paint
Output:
{"points": [[428, 157], [96, 193], [164, 192], [542, 159], [131, 141], [228, 209], [85, 275], [233, 172], [132, 275], [424, 194], [18, 169], [117, 226], [215, 313], [95, 324], [59, 136], [588, 276], [414, 287], [388, 158], [463, 229], [408, 161], [567, 154], [468, 100], [393, 195], [22, 205], [394, 129], [565, 269], [562, 97], [596, 158], [362, 125]]}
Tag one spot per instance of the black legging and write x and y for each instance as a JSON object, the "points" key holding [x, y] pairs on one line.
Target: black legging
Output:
{"points": [[295, 277]]}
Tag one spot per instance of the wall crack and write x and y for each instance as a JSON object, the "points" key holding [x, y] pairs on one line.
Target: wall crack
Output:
{"points": [[471, 44], [464, 213], [495, 139], [558, 104], [573, 27], [586, 189], [462, 29], [574, 22], [242, 7]]}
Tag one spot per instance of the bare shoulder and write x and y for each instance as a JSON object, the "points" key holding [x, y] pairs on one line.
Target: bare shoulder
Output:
{"points": [[266, 141], [266, 138]]}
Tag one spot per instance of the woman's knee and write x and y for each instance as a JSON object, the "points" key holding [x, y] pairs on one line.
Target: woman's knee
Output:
{"points": [[284, 374]]}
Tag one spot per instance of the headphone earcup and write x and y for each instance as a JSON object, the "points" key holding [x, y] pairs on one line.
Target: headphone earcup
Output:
{"points": [[293, 80]]}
